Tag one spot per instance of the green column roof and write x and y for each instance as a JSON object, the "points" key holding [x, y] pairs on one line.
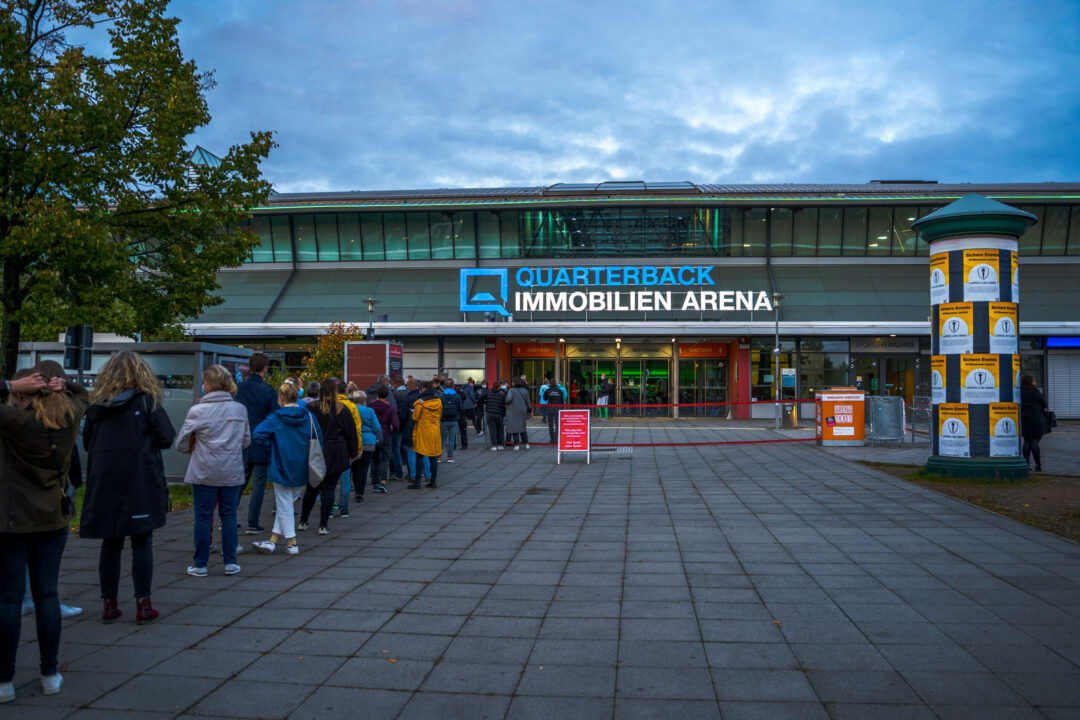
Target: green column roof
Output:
{"points": [[974, 214]]}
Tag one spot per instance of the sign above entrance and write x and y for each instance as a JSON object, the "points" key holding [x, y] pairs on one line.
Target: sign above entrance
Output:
{"points": [[603, 289], [532, 350], [703, 350], [884, 345]]}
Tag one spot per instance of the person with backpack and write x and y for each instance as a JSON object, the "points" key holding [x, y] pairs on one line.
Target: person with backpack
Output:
{"points": [[387, 416], [215, 433], [38, 432], [451, 412], [555, 395], [339, 448], [127, 495], [481, 392], [287, 434], [467, 393]]}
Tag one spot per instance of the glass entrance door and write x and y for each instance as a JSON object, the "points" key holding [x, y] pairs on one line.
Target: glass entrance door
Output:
{"points": [[703, 381], [645, 382], [886, 376], [535, 371], [584, 377]]}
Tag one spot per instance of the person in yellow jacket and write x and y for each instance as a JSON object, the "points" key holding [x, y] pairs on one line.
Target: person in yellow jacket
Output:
{"points": [[427, 435], [355, 471]]}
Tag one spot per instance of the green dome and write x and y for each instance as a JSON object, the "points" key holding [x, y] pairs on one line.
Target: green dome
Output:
{"points": [[974, 214]]}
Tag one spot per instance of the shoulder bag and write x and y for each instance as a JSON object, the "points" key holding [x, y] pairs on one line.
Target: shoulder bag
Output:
{"points": [[1049, 419], [315, 460]]}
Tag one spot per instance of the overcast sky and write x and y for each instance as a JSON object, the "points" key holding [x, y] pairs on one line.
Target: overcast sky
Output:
{"points": [[423, 94]]}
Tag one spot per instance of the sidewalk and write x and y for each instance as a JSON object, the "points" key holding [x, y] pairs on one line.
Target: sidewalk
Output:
{"points": [[736, 581]]}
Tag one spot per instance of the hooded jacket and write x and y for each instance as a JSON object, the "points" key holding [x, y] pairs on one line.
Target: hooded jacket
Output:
{"points": [[518, 408], [468, 396], [338, 437], [285, 434], [259, 399], [427, 414], [215, 432], [126, 491], [30, 489], [370, 427], [495, 402], [387, 415], [451, 405]]}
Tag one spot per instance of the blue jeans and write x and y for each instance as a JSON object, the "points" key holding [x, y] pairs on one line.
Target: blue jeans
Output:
{"points": [[449, 436], [424, 470], [345, 483], [396, 469], [227, 500], [40, 553], [258, 490]]}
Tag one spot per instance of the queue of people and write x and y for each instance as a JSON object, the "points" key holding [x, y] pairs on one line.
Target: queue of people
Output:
{"points": [[236, 433]]}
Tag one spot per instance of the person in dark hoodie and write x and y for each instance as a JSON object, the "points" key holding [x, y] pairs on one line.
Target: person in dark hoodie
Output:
{"points": [[451, 412], [286, 433], [495, 414], [412, 394], [126, 493], [397, 453], [389, 423], [467, 392], [481, 392], [339, 448], [259, 399]]}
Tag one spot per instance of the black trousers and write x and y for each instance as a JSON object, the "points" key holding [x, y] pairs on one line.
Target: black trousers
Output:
{"points": [[142, 564], [478, 420], [327, 494], [1031, 447], [360, 473], [463, 427], [495, 424]]}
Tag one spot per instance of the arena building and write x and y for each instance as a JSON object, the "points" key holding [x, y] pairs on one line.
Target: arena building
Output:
{"points": [[668, 288]]}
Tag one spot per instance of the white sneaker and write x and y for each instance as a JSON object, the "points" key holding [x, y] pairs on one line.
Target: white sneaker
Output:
{"points": [[239, 549], [68, 611], [516, 448], [292, 549], [449, 460], [7, 692], [265, 546], [197, 571], [526, 446], [51, 684], [232, 569], [493, 449]]}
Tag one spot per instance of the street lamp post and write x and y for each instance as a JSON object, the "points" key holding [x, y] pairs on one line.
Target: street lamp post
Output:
{"points": [[371, 303], [776, 300]]}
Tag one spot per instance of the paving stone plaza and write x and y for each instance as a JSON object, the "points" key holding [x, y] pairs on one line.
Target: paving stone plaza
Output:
{"points": [[733, 581]]}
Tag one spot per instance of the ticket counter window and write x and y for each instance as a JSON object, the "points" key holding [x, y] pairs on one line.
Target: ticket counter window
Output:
{"points": [[703, 381], [763, 369]]}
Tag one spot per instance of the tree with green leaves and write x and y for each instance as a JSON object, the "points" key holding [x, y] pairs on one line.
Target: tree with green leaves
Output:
{"points": [[103, 219], [327, 358]]}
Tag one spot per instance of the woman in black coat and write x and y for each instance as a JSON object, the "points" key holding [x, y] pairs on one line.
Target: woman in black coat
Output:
{"points": [[1033, 423], [495, 414], [126, 494], [340, 448]]}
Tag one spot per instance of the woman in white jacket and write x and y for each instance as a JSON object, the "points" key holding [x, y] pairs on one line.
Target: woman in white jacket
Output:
{"points": [[215, 432]]}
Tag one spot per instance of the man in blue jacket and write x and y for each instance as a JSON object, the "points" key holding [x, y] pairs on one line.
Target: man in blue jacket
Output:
{"points": [[260, 400], [451, 404]]}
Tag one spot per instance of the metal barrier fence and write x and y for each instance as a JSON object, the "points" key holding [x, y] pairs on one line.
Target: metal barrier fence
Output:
{"points": [[708, 411], [920, 415], [886, 419]]}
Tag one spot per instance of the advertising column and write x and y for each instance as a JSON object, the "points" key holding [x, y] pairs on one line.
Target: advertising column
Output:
{"points": [[974, 302]]}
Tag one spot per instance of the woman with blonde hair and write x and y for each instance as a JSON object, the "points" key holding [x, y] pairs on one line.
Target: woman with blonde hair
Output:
{"points": [[215, 432], [287, 433], [38, 432], [126, 494]]}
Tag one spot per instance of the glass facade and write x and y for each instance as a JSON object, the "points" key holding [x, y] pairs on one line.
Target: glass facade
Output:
{"points": [[614, 232]]}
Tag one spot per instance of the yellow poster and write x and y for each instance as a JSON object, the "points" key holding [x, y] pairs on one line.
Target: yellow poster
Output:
{"points": [[1004, 430], [956, 323], [938, 378], [953, 440], [1016, 377], [981, 278], [1002, 327], [939, 278], [1014, 264], [979, 379]]}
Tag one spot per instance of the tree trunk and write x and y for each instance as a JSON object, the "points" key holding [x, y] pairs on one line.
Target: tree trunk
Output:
{"points": [[12, 300]]}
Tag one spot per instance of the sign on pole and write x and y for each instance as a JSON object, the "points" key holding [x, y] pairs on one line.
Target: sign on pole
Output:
{"points": [[574, 434]]}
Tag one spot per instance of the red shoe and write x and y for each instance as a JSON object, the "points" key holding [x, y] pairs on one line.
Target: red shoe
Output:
{"points": [[109, 611], [144, 612]]}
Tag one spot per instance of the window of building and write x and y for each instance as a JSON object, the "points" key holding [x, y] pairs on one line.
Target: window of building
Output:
{"points": [[487, 233], [780, 228], [326, 232], [395, 236], [1074, 232], [306, 245], [756, 224], [442, 235], [417, 236], [281, 234], [903, 237], [879, 232], [371, 232], [1056, 233], [830, 220], [806, 229], [763, 367], [264, 251], [1031, 242], [509, 234], [855, 230], [822, 364], [464, 235], [349, 236]]}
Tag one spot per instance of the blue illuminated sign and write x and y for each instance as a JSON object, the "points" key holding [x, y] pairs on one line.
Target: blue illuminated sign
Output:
{"points": [[1063, 342], [484, 300]]}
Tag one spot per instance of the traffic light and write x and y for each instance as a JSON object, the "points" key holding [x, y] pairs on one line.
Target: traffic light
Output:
{"points": [[78, 347]]}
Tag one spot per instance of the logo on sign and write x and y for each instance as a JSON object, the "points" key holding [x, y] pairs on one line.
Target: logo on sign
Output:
{"points": [[955, 327], [485, 290], [954, 429]]}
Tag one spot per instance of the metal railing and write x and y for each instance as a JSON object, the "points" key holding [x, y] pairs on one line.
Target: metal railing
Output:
{"points": [[886, 419]]}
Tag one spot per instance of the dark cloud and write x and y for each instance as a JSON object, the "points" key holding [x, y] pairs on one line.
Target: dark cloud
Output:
{"points": [[423, 94]]}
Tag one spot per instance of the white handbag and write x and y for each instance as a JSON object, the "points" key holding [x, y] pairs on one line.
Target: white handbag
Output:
{"points": [[316, 462]]}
